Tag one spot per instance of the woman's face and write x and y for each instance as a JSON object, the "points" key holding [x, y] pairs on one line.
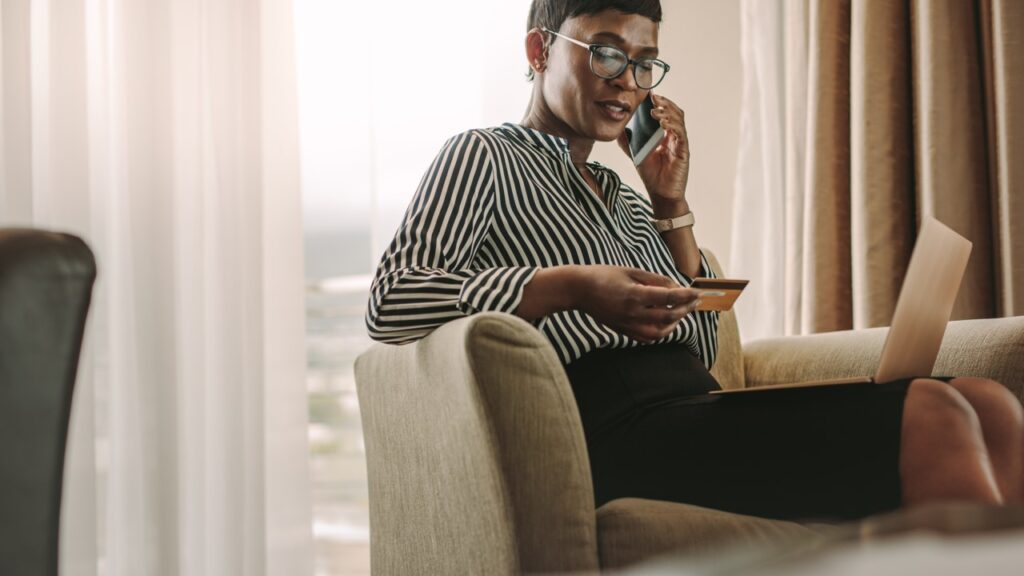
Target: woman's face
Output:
{"points": [[590, 106]]}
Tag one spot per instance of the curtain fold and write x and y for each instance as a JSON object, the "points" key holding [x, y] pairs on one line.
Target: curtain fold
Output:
{"points": [[824, 274], [796, 32], [165, 134], [951, 141], [883, 220], [761, 168], [1004, 75], [893, 111]]}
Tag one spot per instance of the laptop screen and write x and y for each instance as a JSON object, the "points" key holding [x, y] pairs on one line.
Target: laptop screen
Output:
{"points": [[926, 301]]}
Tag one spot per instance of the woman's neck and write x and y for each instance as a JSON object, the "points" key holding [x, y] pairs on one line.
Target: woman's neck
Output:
{"points": [[540, 117]]}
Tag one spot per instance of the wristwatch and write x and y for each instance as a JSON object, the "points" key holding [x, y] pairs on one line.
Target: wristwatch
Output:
{"points": [[668, 224]]}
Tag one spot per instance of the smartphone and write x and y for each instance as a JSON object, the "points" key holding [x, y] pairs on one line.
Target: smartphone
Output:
{"points": [[643, 131], [718, 293]]}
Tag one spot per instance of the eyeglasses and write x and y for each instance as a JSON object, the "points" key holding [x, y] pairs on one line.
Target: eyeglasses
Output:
{"points": [[609, 62]]}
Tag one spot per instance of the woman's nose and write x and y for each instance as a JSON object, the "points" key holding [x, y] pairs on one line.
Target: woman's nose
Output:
{"points": [[625, 81]]}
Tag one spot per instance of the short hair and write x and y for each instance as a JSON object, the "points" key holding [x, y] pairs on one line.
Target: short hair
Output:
{"points": [[551, 14]]}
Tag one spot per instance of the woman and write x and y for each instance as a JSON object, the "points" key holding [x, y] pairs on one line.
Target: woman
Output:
{"points": [[515, 219]]}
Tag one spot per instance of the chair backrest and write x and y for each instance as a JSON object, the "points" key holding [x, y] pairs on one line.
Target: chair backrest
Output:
{"points": [[45, 287]]}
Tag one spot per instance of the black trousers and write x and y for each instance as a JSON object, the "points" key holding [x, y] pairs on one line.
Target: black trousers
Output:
{"points": [[828, 453]]}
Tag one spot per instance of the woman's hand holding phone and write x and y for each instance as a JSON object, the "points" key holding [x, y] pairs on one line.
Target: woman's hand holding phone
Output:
{"points": [[666, 170]]}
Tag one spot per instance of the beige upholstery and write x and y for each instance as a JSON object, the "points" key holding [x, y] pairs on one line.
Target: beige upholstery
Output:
{"points": [[633, 529], [993, 348], [477, 462], [728, 368]]}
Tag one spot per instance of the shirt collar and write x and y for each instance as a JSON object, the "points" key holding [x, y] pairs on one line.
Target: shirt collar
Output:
{"points": [[537, 139], [560, 147]]}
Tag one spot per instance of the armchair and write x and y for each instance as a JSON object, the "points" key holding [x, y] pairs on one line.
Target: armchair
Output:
{"points": [[478, 465]]}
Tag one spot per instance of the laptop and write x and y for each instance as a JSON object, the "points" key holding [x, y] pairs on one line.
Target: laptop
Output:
{"points": [[925, 303]]}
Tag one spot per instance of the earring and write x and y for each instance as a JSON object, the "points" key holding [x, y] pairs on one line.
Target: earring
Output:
{"points": [[539, 66]]}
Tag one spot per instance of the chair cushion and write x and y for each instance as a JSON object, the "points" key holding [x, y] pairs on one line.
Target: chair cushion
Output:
{"points": [[632, 530]]}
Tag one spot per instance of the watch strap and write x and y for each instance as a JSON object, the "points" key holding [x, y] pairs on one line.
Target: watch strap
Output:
{"points": [[668, 224]]}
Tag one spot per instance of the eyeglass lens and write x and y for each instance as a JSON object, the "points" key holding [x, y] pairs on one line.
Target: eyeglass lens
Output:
{"points": [[608, 62]]}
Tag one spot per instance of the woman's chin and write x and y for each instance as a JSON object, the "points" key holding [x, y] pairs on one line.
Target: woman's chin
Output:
{"points": [[607, 132], [613, 137]]}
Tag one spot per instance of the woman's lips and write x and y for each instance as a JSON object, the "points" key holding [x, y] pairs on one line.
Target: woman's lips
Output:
{"points": [[614, 110]]}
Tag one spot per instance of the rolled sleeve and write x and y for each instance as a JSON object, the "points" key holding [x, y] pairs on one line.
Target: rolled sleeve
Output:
{"points": [[427, 277], [495, 290]]}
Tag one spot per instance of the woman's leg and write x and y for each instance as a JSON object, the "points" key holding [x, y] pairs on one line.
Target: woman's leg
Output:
{"points": [[943, 454], [829, 453], [1002, 425]]}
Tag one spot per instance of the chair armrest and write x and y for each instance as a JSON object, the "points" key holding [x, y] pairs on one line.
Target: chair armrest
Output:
{"points": [[990, 348], [475, 451]]}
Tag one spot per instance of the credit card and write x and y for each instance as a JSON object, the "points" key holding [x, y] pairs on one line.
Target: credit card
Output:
{"points": [[718, 294]]}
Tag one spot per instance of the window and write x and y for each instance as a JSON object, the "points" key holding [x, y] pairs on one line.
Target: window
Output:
{"points": [[378, 95]]}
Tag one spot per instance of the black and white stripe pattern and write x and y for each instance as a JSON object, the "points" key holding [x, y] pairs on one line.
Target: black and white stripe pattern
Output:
{"points": [[495, 206]]}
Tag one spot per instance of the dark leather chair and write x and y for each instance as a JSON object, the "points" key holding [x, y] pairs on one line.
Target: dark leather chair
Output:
{"points": [[46, 283]]}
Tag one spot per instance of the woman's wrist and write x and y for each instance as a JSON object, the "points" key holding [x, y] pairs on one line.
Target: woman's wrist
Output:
{"points": [[669, 208], [551, 290], [575, 286]]}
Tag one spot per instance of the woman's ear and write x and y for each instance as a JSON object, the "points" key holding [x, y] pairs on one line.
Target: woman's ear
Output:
{"points": [[537, 50]]}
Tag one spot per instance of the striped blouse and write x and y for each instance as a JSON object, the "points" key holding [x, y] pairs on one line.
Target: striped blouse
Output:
{"points": [[495, 206]]}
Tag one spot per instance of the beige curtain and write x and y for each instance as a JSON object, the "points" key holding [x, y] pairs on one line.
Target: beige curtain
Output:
{"points": [[897, 110]]}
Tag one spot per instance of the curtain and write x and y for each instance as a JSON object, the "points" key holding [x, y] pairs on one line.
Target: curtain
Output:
{"points": [[165, 134], [761, 172], [889, 111]]}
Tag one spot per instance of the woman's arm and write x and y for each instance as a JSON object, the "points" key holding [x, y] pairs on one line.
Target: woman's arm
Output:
{"points": [[665, 174], [426, 277], [640, 304], [681, 241]]}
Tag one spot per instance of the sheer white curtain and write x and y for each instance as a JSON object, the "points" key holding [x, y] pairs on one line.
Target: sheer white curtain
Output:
{"points": [[165, 133], [769, 162]]}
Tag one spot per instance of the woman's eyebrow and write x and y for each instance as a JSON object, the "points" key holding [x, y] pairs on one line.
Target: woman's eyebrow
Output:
{"points": [[621, 41]]}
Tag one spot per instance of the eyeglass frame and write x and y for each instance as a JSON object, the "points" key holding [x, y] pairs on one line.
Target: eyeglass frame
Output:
{"points": [[629, 61]]}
